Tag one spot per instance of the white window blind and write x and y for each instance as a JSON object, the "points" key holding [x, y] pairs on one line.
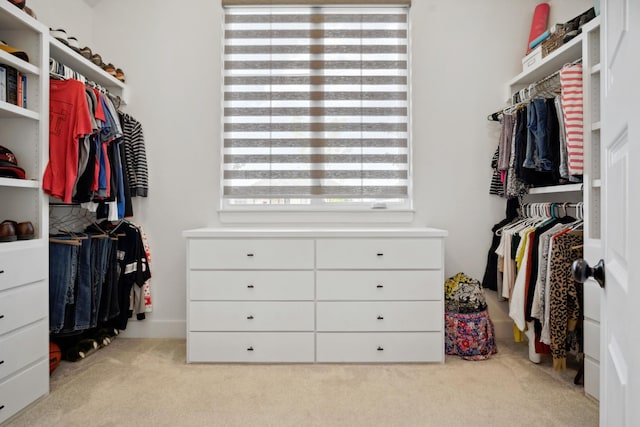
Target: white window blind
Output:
{"points": [[315, 105]]}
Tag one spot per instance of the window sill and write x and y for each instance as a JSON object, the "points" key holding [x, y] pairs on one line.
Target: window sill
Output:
{"points": [[289, 216]]}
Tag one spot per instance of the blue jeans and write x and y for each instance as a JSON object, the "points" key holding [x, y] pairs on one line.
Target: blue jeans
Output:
{"points": [[63, 261], [99, 254], [84, 286], [538, 153]]}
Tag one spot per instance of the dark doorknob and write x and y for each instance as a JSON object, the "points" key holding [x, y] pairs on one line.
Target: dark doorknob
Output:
{"points": [[581, 271]]}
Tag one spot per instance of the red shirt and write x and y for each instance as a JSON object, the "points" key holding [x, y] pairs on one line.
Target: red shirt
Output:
{"points": [[68, 121]]}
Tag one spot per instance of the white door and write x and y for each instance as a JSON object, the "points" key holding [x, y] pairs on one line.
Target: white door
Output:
{"points": [[620, 151]]}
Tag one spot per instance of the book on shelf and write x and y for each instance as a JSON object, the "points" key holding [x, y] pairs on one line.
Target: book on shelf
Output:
{"points": [[24, 90], [19, 92], [11, 85], [3, 83]]}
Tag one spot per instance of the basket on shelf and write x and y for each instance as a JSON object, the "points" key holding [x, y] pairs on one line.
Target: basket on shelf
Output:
{"points": [[554, 41]]}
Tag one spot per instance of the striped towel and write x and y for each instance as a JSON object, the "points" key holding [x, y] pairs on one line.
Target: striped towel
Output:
{"points": [[572, 107]]}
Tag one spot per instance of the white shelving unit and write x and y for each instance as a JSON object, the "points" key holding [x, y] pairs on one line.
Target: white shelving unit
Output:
{"points": [[24, 289], [586, 46]]}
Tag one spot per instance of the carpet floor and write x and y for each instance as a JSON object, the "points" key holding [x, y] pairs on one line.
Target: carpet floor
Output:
{"points": [[146, 382]]}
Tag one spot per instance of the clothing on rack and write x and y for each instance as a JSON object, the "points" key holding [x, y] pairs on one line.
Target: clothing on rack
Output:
{"points": [[534, 255], [540, 142], [92, 147], [94, 275]]}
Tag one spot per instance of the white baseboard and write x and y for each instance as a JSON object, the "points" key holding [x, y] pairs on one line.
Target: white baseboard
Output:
{"points": [[149, 328]]}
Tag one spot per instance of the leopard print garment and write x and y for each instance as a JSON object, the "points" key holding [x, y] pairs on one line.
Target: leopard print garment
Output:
{"points": [[564, 302]]}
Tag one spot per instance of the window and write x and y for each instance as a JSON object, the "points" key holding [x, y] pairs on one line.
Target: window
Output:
{"points": [[316, 106]]}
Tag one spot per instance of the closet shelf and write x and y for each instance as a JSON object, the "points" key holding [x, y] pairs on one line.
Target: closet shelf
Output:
{"points": [[13, 111], [19, 64], [91, 71], [595, 69], [19, 183], [566, 188], [596, 183], [595, 126], [13, 19], [554, 61]]}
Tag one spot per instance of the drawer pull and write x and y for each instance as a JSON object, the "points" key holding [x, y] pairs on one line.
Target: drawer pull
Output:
{"points": [[1, 362], [1, 407], [250, 286], [380, 254], [250, 317], [250, 348], [1, 271], [380, 317], [249, 255], [1, 316], [380, 348], [380, 286]]}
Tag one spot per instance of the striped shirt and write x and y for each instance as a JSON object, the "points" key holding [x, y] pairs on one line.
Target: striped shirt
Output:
{"points": [[135, 157], [572, 107]]}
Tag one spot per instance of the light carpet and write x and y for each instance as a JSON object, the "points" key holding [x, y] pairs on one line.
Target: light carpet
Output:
{"points": [[146, 382]]}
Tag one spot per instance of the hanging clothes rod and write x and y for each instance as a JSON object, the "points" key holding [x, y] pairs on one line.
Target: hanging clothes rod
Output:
{"points": [[525, 95], [60, 71]]}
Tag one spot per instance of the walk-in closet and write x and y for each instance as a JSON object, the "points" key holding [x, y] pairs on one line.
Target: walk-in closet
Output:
{"points": [[319, 212]]}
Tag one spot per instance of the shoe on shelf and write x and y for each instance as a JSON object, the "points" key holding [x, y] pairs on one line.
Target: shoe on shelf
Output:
{"points": [[120, 74], [73, 43], [60, 35], [110, 68], [97, 59], [7, 232], [23, 230], [19, 3], [86, 52], [30, 12]]}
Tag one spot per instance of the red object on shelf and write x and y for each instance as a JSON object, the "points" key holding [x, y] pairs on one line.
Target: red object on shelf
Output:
{"points": [[539, 22]]}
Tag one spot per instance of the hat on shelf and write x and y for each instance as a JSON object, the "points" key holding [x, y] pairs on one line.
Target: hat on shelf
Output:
{"points": [[59, 34], [9, 164], [73, 43], [14, 51]]}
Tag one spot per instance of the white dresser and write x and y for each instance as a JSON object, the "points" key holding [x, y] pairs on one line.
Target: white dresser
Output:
{"points": [[315, 295]]}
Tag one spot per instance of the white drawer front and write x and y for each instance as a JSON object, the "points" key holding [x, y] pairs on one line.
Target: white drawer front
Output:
{"points": [[592, 378], [23, 347], [258, 254], [380, 316], [261, 347], [380, 347], [592, 292], [250, 285], [250, 316], [379, 253], [592, 339], [19, 391], [22, 266], [23, 305], [380, 285]]}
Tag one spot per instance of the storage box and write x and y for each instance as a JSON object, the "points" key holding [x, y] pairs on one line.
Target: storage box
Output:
{"points": [[533, 59]]}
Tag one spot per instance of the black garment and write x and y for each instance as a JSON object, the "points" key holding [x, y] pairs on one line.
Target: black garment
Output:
{"points": [[85, 181], [128, 206], [490, 278]]}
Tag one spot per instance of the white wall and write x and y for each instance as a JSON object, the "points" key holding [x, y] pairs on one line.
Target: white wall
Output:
{"points": [[463, 54], [73, 16]]}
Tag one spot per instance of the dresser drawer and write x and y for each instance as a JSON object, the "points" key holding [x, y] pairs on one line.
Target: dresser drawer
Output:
{"points": [[380, 285], [385, 254], [250, 285], [251, 316], [380, 347], [257, 254], [23, 305], [261, 347], [379, 316], [19, 391], [20, 348], [22, 266]]}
